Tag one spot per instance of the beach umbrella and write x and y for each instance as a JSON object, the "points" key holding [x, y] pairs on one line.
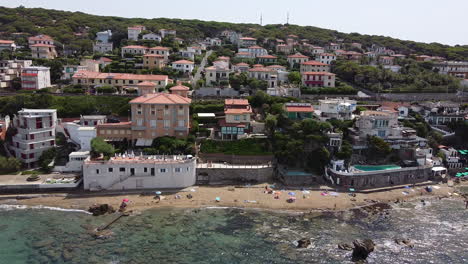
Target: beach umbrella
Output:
{"points": [[292, 198], [218, 199], [125, 200], [158, 193], [292, 193], [352, 189], [407, 187]]}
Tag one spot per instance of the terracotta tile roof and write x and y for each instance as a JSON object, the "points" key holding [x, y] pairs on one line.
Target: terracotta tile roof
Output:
{"points": [[318, 73], [234, 111], [243, 53], [247, 38], [154, 55], [105, 59], [146, 83], [119, 76], [42, 45], [242, 64], [179, 88], [236, 102], [134, 47], [121, 124], [314, 63], [267, 57], [257, 65], [183, 62], [298, 55], [260, 69], [159, 48], [298, 107], [223, 58], [255, 47], [161, 98], [40, 37], [6, 41]]}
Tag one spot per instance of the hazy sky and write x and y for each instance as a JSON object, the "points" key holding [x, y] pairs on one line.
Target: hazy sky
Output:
{"points": [[420, 20]]}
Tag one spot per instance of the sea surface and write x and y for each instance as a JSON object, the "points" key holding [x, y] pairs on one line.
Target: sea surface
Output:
{"points": [[439, 230]]}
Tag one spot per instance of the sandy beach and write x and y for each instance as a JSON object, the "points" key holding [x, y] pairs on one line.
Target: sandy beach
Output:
{"points": [[231, 196]]}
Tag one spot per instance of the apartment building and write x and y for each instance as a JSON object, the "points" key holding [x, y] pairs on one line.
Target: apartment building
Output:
{"points": [[326, 58], [318, 79], [7, 45], [247, 42], [255, 50], [213, 75], [101, 47], [336, 108], [264, 74], [314, 66], [152, 36], [127, 171], [296, 59], [36, 134], [134, 32], [11, 69], [154, 61], [184, 66], [454, 68], [104, 36], [283, 48], [35, 78], [43, 51], [134, 50], [160, 51], [40, 39], [88, 78], [167, 32], [236, 122]]}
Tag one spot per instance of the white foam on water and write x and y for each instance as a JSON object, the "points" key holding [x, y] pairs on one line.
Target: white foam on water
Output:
{"points": [[9, 207]]}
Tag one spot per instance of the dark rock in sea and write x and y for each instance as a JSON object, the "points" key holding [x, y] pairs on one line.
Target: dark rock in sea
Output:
{"points": [[362, 249], [101, 209], [67, 255], [405, 241], [43, 243], [345, 246], [303, 243], [104, 234]]}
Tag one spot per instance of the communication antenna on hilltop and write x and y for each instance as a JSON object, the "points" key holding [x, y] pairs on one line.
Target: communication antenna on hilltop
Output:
{"points": [[261, 19], [287, 18]]}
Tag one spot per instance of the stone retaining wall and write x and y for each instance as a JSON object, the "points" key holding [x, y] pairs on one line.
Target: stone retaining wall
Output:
{"points": [[234, 175]]}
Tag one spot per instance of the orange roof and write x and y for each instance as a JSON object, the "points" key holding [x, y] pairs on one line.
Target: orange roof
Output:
{"points": [[179, 88], [223, 58], [242, 64], [267, 57], [257, 65], [105, 59], [236, 102], [40, 37], [183, 62], [161, 98], [298, 55], [260, 69], [118, 76], [146, 83], [42, 45], [248, 38], [314, 63], [154, 55], [318, 73], [134, 47], [122, 124], [255, 47], [238, 111], [298, 107], [243, 53], [6, 41], [159, 48]]}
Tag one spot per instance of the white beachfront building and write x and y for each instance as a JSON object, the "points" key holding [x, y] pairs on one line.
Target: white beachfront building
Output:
{"points": [[126, 172]]}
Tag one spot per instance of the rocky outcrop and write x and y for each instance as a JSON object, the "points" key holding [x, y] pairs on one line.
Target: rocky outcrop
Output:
{"points": [[362, 249], [345, 246], [101, 209], [303, 243], [405, 241]]}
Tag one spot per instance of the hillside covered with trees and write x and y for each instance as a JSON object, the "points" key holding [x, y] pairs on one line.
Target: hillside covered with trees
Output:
{"points": [[77, 30]]}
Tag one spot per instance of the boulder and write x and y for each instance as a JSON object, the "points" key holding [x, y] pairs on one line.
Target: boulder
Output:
{"points": [[405, 241], [362, 249], [345, 246], [101, 209], [303, 243]]}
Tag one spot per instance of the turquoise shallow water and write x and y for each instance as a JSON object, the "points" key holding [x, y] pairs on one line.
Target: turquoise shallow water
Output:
{"points": [[376, 167], [235, 236]]}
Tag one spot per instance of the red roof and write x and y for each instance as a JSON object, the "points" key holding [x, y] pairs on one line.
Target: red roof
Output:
{"points": [[179, 88], [298, 55], [242, 64], [105, 59], [121, 124], [267, 57], [6, 41], [159, 48], [303, 108], [40, 37], [134, 47], [161, 98], [146, 83], [318, 73], [236, 102], [314, 63], [247, 38], [183, 62], [119, 76], [255, 47], [43, 45]]}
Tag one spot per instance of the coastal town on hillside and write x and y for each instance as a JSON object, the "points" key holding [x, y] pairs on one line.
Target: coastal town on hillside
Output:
{"points": [[227, 110]]}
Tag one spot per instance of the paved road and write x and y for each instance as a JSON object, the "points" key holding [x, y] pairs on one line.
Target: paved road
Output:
{"points": [[202, 66]]}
